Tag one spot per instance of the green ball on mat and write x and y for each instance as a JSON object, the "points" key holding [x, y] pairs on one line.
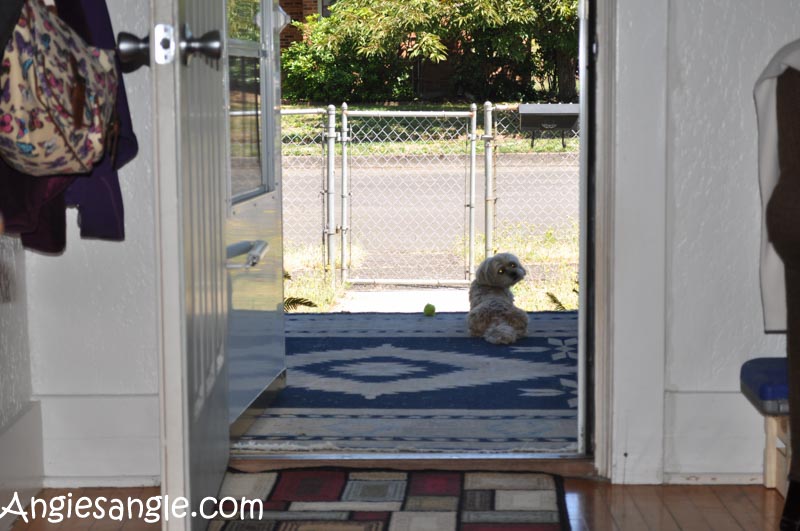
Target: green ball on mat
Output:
{"points": [[429, 310]]}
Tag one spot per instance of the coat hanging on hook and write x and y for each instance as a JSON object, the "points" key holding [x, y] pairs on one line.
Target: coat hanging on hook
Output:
{"points": [[9, 15], [34, 208]]}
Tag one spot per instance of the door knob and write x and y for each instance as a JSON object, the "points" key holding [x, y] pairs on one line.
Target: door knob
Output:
{"points": [[133, 52], [208, 44]]}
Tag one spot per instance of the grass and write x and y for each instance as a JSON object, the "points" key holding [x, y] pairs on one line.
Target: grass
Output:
{"points": [[302, 134], [522, 144], [550, 257], [309, 279], [314, 285]]}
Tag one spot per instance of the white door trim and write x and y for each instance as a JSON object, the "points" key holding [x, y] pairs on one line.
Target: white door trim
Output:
{"points": [[631, 261], [170, 285], [604, 236]]}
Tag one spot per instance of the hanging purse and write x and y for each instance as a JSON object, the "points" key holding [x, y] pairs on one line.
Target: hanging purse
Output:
{"points": [[57, 97]]}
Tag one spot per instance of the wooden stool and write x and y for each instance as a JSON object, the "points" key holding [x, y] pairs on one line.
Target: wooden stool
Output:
{"points": [[777, 453], [763, 381]]}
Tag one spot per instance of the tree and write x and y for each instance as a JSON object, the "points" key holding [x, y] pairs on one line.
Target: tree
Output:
{"points": [[556, 33], [325, 66], [496, 46]]}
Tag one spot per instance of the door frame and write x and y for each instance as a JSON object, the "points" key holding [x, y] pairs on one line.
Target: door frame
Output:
{"points": [[597, 20], [601, 201], [168, 257], [631, 273], [170, 284]]}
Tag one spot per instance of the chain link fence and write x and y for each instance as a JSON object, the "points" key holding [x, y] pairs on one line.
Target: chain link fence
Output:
{"points": [[538, 191], [545, 162], [303, 159], [406, 177]]}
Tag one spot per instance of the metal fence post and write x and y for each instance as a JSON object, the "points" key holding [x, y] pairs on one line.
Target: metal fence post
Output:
{"points": [[345, 265], [473, 137], [489, 184], [330, 226]]}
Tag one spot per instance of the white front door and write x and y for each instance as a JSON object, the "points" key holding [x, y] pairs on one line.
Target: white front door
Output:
{"points": [[191, 154]]}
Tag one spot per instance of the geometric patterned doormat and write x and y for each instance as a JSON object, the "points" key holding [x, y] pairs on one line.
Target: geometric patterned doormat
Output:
{"points": [[410, 383], [339, 499]]}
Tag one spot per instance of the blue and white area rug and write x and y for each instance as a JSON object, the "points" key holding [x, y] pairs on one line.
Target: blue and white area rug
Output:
{"points": [[410, 383]]}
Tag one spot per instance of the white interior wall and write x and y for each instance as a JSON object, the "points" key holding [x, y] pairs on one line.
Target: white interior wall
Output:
{"points": [[20, 416], [93, 326], [714, 319], [687, 309], [15, 366]]}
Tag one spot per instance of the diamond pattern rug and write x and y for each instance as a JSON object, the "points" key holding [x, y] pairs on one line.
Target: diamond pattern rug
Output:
{"points": [[340, 499], [406, 382]]}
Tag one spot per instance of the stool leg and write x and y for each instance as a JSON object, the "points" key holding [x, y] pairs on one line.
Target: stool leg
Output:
{"points": [[771, 452]]}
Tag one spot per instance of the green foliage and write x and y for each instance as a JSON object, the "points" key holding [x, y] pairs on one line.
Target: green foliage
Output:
{"points": [[292, 303], [366, 48], [556, 301], [241, 20], [321, 68], [559, 306], [424, 28], [496, 65], [556, 34], [308, 281]]}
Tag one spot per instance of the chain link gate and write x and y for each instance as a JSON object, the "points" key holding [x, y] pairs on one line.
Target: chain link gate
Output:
{"points": [[408, 194], [402, 207], [543, 165]]}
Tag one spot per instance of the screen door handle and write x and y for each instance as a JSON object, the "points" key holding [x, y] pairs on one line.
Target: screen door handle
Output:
{"points": [[254, 250]]}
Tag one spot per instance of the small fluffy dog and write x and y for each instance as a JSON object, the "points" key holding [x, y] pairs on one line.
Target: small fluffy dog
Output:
{"points": [[492, 313]]}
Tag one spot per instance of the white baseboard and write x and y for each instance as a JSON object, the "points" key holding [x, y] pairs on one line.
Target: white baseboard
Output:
{"points": [[67, 482], [101, 441], [21, 459], [712, 434], [713, 479]]}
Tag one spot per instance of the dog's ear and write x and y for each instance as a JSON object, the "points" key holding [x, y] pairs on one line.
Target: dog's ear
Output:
{"points": [[482, 273]]}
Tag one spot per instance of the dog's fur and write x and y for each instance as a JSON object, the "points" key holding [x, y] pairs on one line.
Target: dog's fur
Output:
{"points": [[492, 313]]}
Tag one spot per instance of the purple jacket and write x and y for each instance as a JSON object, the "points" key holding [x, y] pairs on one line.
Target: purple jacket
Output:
{"points": [[34, 207]]}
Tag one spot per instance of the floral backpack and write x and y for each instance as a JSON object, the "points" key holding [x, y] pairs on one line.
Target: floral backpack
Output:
{"points": [[57, 97]]}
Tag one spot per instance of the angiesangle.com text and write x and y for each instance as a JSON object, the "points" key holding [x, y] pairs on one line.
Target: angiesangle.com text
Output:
{"points": [[150, 510]]}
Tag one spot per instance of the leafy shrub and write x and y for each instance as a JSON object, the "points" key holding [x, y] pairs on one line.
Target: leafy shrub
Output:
{"points": [[314, 70]]}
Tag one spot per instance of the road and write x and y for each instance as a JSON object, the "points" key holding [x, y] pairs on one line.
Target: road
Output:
{"points": [[409, 216]]}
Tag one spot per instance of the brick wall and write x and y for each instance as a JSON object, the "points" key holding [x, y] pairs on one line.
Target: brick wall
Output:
{"points": [[298, 10]]}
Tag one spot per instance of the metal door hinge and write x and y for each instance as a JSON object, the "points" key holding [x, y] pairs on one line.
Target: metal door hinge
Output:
{"points": [[165, 44]]}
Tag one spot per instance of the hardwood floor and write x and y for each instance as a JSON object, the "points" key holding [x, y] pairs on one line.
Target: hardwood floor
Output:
{"points": [[600, 506], [86, 524], [592, 505]]}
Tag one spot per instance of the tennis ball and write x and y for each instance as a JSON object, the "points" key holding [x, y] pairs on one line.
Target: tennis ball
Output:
{"points": [[429, 310]]}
